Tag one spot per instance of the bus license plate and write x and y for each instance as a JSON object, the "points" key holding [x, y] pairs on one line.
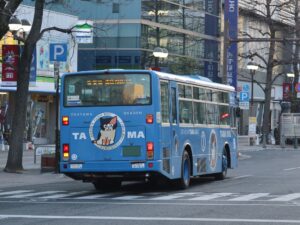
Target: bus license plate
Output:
{"points": [[76, 166], [138, 165]]}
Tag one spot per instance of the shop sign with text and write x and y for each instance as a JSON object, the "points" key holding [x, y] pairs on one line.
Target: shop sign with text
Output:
{"points": [[10, 56]]}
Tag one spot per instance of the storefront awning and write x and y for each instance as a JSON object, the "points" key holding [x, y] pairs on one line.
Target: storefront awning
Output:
{"points": [[40, 87]]}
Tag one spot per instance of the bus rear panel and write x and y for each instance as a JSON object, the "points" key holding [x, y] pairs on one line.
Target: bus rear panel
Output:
{"points": [[108, 126]]}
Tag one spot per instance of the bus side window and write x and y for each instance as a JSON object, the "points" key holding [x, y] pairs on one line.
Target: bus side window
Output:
{"points": [[164, 102], [186, 112]]}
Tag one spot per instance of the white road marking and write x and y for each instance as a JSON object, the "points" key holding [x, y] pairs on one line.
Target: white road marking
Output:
{"points": [[241, 177], [33, 194], [199, 219], [249, 197], [173, 196], [94, 196], [289, 169], [288, 197], [14, 192], [210, 196], [64, 195], [128, 197]]}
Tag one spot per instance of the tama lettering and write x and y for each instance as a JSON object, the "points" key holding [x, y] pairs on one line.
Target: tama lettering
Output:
{"points": [[79, 136], [135, 134]]}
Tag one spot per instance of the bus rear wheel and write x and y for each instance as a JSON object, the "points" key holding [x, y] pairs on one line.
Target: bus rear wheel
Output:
{"points": [[106, 184], [223, 174], [184, 181]]}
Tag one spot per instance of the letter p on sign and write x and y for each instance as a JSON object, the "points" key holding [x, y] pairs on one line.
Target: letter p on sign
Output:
{"points": [[58, 52]]}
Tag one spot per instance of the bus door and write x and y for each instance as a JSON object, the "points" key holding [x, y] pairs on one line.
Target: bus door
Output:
{"points": [[174, 118], [169, 138]]}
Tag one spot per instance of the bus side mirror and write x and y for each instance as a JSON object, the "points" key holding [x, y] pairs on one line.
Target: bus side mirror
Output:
{"points": [[238, 112]]}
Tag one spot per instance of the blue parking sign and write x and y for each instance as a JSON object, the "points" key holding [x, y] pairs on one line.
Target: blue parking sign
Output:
{"points": [[244, 96], [58, 52]]}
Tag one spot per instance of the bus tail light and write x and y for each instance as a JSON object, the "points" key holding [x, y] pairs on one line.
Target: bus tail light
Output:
{"points": [[65, 120], [150, 150], [149, 118], [66, 151]]}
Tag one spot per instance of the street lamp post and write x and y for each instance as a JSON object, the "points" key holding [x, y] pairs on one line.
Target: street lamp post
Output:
{"points": [[252, 67]]}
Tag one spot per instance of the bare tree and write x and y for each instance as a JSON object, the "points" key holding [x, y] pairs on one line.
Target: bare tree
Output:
{"points": [[15, 155], [267, 11], [296, 52]]}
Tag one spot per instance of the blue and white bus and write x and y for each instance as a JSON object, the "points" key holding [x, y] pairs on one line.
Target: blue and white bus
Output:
{"points": [[119, 125]]}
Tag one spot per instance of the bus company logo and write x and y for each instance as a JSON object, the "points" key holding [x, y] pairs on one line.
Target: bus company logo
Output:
{"points": [[104, 131], [213, 150]]}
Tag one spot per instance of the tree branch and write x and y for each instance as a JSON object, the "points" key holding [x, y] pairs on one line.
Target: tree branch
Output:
{"points": [[62, 30]]}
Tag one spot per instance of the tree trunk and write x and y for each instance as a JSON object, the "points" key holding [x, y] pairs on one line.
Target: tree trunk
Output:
{"points": [[15, 155], [268, 88], [295, 105]]}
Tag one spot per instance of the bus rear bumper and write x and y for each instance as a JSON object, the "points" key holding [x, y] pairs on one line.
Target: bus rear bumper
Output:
{"points": [[118, 169]]}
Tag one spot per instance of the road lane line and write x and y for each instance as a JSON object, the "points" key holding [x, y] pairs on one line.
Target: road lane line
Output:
{"points": [[249, 197], [14, 192], [288, 197], [33, 194], [94, 196], [174, 196], [64, 195], [210, 196], [241, 177], [123, 218], [128, 197], [289, 169]]}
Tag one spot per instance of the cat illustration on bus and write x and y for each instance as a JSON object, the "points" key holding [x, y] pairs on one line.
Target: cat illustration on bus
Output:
{"points": [[107, 133]]}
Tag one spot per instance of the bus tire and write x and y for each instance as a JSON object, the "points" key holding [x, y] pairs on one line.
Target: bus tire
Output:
{"points": [[184, 181], [223, 174], [107, 184]]}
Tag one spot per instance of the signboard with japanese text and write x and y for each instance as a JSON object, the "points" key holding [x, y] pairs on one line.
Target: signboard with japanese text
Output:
{"points": [[84, 32], [231, 17], [252, 126], [211, 71], [10, 56]]}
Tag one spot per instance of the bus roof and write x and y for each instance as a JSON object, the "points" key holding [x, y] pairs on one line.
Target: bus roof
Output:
{"points": [[195, 79], [191, 79]]}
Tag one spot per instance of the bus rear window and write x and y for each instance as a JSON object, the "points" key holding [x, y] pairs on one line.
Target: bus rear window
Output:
{"points": [[107, 90]]}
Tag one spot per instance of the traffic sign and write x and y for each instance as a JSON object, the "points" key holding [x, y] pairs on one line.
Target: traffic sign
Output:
{"points": [[244, 96], [58, 52], [246, 87], [244, 105]]}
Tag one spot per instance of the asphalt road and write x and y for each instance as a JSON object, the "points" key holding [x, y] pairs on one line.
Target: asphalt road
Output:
{"points": [[264, 189]]}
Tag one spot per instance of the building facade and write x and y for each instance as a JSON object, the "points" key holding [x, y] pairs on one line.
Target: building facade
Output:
{"points": [[127, 31]]}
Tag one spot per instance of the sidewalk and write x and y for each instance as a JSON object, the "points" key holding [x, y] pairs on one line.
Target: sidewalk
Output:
{"points": [[32, 172], [243, 148]]}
